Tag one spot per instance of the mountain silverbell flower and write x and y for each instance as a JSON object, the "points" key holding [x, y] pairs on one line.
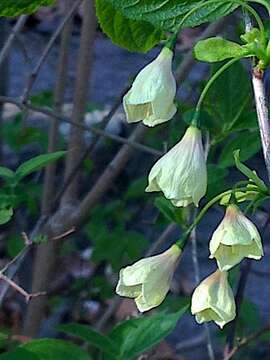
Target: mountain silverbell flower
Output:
{"points": [[151, 96], [213, 300], [148, 280], [181, 173], [235, 238]]}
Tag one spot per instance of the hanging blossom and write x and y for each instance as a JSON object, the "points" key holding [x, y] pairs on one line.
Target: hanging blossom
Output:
{"points": [[213, 300], [151, 96], [181, 173], [235, 238], [148, 280]]}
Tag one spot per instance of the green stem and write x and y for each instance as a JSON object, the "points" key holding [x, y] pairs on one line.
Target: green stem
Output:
{"points": [[211, 81], [182, 242]]}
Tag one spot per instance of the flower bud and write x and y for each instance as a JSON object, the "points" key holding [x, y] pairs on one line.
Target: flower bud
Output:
{"points": [[235, 238], [151, 96], [213, 300], [181, 173], [148, 280]]}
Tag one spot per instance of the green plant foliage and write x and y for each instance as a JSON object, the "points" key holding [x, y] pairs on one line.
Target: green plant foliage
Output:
{"points": [[37, 163], [129, 338], [231, 96], [135, 336], [218, 49], [168, 14], [92, 337], [170, 212], [247, 142], [131, 34], [18, 7], [47, 349], [5, 214]]}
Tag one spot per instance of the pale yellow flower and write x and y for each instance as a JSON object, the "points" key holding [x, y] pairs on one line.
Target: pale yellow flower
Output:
{"points": [[235, 238], [151, 96], [181, 173], [148, 280], [213, 300]]}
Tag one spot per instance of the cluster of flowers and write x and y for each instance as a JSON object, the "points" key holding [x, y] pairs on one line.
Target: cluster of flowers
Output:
{"points": [[182, 177]]}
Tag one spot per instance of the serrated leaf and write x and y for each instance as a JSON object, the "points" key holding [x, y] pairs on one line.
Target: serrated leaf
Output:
{"points": [[92, 337], [18, 7], [37, 163], [218, 49], [167, 14], [51, 349], [131, 34], [135, 336]]}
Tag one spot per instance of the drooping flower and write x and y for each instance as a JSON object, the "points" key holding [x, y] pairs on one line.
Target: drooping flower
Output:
{"points": [[151, 96], [235, 238], [213, 300], [148, 280], [181, 173]]}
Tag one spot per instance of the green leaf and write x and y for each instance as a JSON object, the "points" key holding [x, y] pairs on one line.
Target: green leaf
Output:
{"points": [[133, 35], [171, 213], [19, 354], [51, 349], [18, 7], [228, 99], [216, 179], [5, 215], [218, 49], [167, 14], [37, 163], [91, 336], [6, 173], [135, 336], [247, 172], [247, 142]]}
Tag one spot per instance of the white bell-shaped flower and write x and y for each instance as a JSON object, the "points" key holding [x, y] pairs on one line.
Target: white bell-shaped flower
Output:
{"points": [[213, 300], [148, 280], [151, 97], [235, 238], [181, 173]]}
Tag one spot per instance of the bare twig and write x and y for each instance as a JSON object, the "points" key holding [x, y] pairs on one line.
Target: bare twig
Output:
{"points": [[47, 50], [85, 59], [90, 128], [14, 32], [49, 177], [19, 289], [247, 340]]}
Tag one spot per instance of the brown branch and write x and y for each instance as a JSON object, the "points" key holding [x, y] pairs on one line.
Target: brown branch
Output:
{"points": [[90, 128], [19, 289], [59, 90], [246, 341], [85, 60], [47, 50]]}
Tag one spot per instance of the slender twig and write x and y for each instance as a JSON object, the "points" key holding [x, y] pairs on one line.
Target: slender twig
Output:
{"points": [[93, 129], [59, 90], [247, 340], [47, 50], [76, 137], [14, 32], [19, 289]]}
